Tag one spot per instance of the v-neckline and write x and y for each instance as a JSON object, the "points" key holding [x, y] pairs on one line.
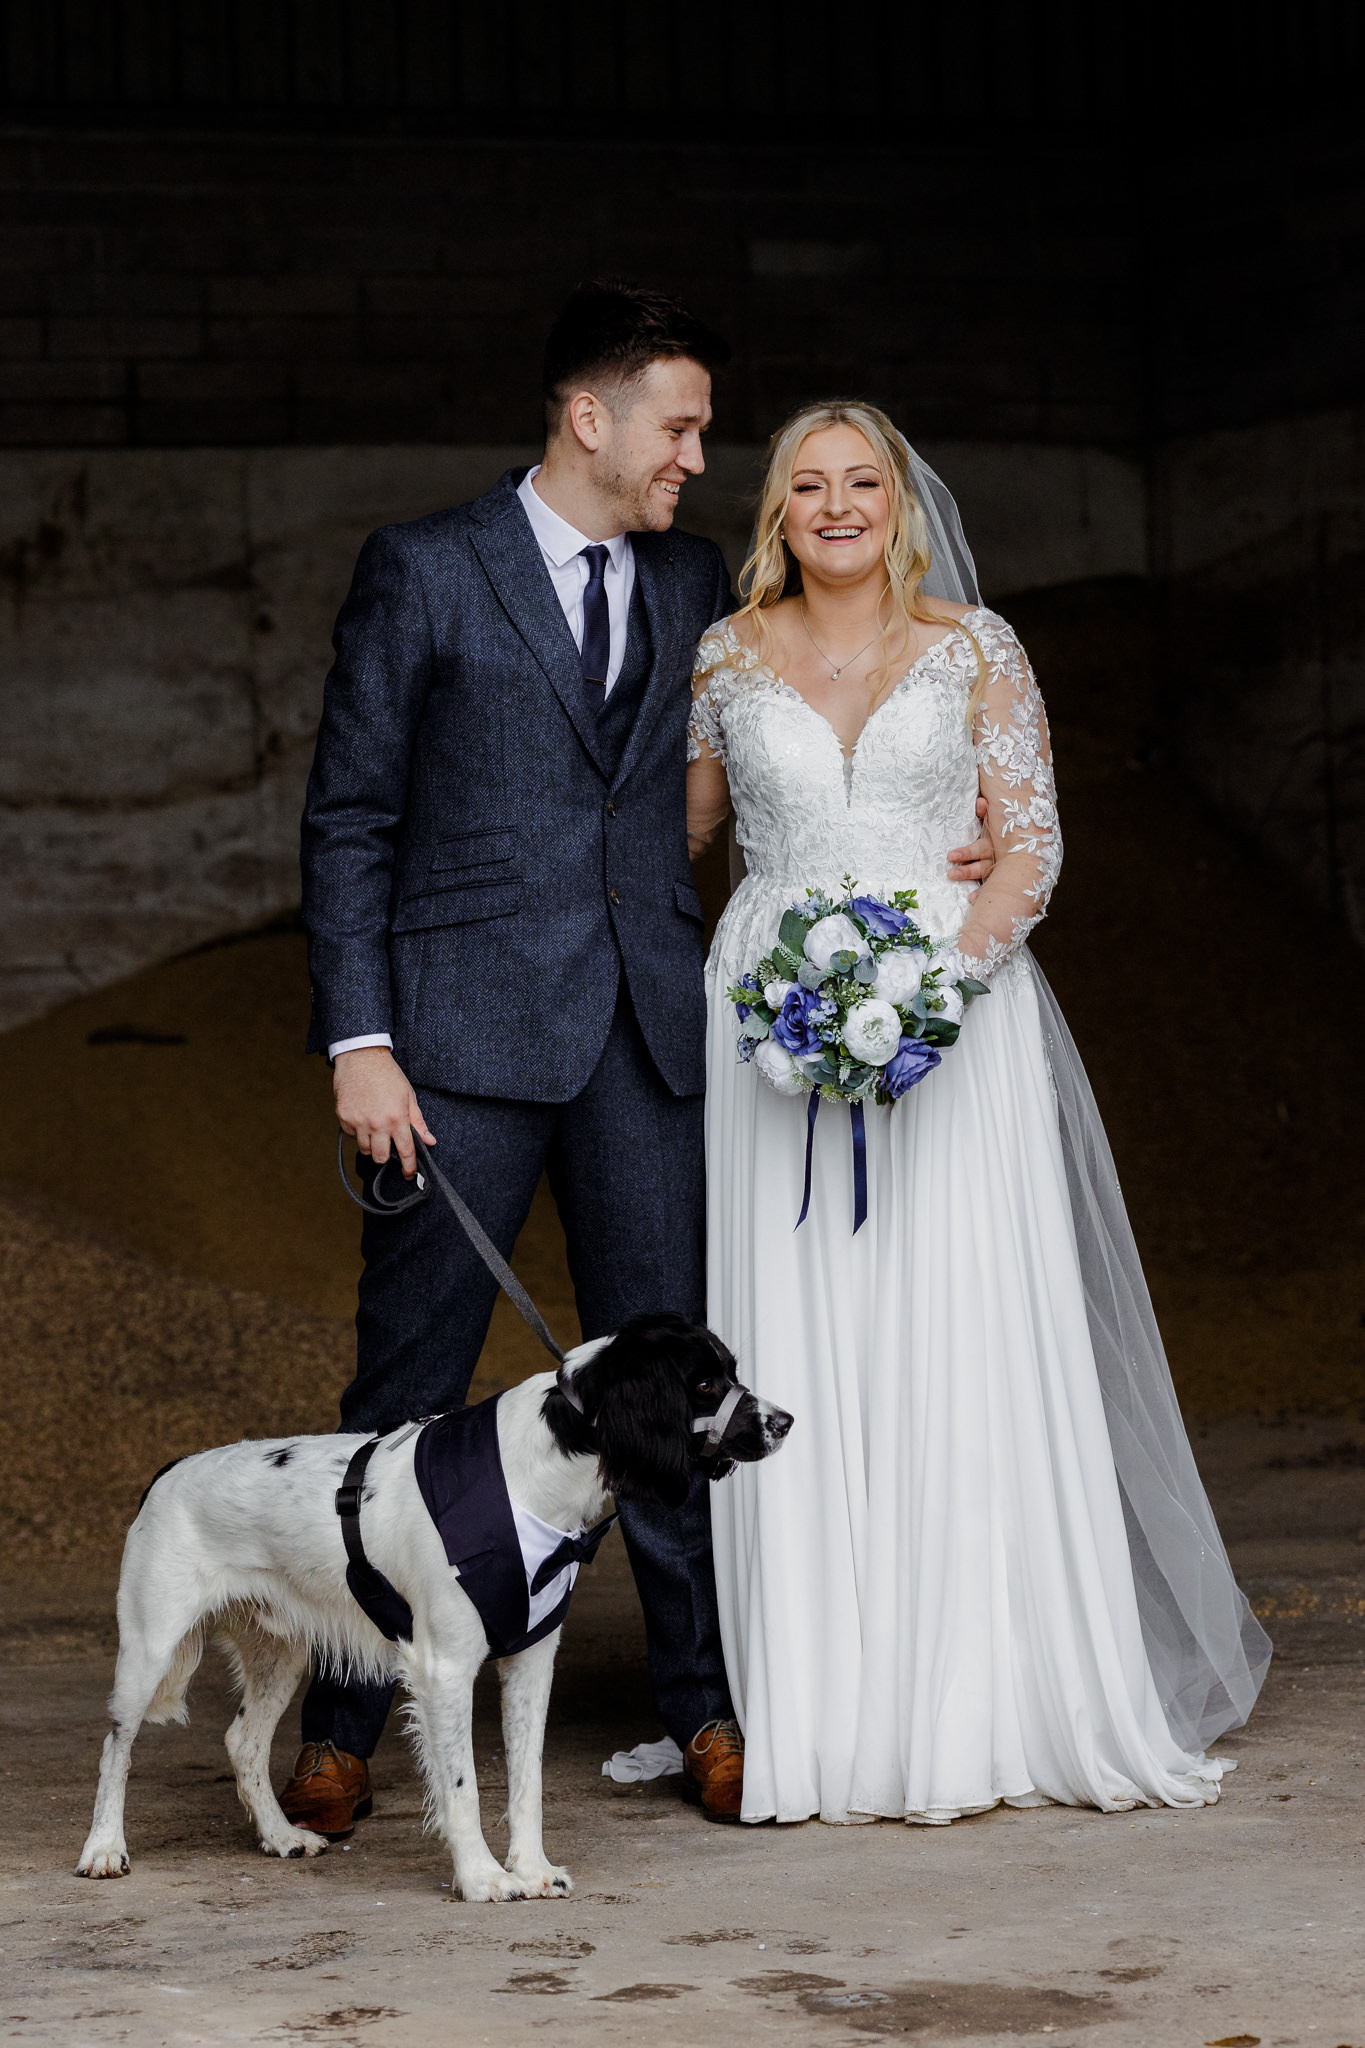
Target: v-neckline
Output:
{"points": [[849, 756]]}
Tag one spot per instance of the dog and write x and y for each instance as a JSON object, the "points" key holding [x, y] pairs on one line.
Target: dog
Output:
{"points": [[245, 1543]]}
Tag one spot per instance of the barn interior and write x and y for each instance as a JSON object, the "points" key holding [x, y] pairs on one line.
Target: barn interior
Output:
{"points": [[276, 275]]}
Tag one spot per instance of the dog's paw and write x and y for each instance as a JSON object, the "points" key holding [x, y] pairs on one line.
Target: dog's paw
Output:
{"points": [[294, 1842], [104, 1862], [544, 1881], [494, 1885]]}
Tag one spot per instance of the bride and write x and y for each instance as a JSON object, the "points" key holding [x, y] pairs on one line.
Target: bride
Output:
{"points": [[984, 1568]]}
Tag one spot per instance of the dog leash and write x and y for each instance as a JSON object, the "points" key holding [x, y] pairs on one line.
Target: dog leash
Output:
{"points": [[712, 1428], [468, 1222]]}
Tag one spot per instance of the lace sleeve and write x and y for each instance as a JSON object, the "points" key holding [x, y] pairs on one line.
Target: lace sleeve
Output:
{"points": [[1014, 755], [705, 721]]}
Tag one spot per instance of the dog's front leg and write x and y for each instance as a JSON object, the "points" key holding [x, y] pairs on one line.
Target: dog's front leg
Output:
{"points": [[443, 1721], [525, 1699]]}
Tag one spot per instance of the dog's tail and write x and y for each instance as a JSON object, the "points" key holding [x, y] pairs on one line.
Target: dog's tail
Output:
{"points": [[169, 1701]]}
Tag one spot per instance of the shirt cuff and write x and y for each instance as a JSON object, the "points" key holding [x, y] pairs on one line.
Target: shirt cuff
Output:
{"points": [[354, 1044]]}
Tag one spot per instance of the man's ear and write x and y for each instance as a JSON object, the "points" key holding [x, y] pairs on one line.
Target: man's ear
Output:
{"points": [[584, 418]]}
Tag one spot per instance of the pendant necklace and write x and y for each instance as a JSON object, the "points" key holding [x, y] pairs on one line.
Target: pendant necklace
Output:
{"points": [[834, 672]]}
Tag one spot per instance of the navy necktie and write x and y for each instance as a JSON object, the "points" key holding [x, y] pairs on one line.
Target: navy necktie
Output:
{"points": [[596, 655]]}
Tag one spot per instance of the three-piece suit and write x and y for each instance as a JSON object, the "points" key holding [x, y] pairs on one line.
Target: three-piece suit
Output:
{"points": [[496, 879]]}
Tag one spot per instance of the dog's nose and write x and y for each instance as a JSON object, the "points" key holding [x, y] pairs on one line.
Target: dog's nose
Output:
{"points": [[779, 1422]]}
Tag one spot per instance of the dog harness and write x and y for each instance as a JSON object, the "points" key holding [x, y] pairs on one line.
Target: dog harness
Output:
{"points": [[518, 1571]]}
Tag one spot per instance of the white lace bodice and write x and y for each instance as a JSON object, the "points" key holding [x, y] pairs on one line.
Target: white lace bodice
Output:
{"points": [[806, 817]]}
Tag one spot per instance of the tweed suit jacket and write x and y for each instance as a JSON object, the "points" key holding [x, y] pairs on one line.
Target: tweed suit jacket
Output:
{"points": [[476, 870]]}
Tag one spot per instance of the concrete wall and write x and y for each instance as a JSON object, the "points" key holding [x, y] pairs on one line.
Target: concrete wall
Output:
{"points": [[165, 618]]}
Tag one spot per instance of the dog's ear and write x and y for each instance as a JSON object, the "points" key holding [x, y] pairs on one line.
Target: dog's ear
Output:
{"points": [[643, 1421]]}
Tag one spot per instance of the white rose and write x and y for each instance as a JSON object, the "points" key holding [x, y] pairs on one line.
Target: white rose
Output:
{"points": [[952, 1002], [831, 935], [775, 993], [778, 1068], [873, 1032], [900, 973]]}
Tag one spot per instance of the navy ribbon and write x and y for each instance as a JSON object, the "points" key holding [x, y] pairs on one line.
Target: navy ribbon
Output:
{"points": [[858, 1131], [812, 1111]]}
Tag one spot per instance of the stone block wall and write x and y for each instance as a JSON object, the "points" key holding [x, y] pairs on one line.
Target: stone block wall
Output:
{"points": [[1259, 535], [182, 289], [272, 276]]}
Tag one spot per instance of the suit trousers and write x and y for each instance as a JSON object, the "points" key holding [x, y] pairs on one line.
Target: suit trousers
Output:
{"points": [[625, 1165]]}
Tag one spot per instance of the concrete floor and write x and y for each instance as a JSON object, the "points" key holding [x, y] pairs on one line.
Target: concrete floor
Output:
{"points": [[1240, 1923]]}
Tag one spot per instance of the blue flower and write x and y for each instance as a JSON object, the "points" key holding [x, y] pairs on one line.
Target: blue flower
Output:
{"points": [[796, 1025], [881, 920], [910, 1062], [743, 1010]]}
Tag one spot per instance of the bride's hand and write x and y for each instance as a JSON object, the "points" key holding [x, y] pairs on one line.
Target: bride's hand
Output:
{"points": [[974, 863]]}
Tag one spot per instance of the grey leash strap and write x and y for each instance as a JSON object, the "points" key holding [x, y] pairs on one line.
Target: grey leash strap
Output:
{"points": [[472, 1228]]}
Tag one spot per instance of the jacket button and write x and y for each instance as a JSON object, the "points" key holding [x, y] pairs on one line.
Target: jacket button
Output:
{"points": [[611, 808], [613, 895]]}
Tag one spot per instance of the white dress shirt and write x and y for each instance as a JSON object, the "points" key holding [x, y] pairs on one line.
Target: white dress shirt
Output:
{"points": [[561, 550]]}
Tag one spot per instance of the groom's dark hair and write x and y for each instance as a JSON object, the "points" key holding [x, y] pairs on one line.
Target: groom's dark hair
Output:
{"points": [[609, 333]]}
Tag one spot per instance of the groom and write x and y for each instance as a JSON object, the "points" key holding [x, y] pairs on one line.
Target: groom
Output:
{"points": [[505, 945]]}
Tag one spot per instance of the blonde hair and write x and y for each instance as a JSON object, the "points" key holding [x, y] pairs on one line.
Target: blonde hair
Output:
{"points": [[767, 574]]}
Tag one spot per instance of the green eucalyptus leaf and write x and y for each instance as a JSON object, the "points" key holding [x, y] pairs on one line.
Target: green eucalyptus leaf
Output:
{"points": [[791, 933]]}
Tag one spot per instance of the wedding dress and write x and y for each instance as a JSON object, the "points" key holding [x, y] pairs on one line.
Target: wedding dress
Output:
{"points": [[982, 1567]]}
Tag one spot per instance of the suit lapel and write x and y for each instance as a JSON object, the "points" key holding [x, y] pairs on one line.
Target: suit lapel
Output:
{"points": [[653, 573], [513, 563]]}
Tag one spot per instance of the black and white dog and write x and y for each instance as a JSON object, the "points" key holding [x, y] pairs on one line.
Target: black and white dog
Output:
{"points": [[244, 1543]]}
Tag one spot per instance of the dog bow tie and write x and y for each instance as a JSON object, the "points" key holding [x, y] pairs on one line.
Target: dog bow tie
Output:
{"points": [[573, 1550]]}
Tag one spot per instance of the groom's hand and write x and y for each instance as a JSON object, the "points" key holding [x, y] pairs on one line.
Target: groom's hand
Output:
{"points": [[375, 1105], [973, 863]]}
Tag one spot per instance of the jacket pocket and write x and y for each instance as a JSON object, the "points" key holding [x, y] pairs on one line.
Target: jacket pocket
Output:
{"points": [[472, 850], [468, 904], [687, 900]]}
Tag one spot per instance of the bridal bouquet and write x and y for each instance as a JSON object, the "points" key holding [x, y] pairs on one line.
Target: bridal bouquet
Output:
{"points": [[850, 1006], [849, 1001]]}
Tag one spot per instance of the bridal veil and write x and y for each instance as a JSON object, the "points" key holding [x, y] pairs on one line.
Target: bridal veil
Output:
{"points": [[1207, 1650]]}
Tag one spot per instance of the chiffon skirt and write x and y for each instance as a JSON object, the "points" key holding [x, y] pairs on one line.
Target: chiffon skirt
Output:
{"points": [[927, 1600]]}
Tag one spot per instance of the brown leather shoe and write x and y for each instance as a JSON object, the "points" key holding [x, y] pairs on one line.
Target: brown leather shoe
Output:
{"points": [[329, 1791], [713, 1769]]}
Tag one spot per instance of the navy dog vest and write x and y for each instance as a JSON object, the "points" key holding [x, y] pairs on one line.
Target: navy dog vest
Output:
{"points": [[458, 1468]]}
